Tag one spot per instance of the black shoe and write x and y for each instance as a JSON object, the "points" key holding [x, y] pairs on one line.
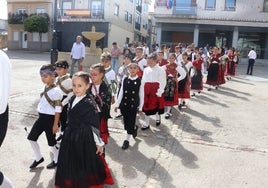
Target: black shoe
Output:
{"points": [[119, 116], [209, 89], [59, 138], [51, 165], [183, 103], [227, 78], [167, 116], [36, 163], [145, 128], [157, 122], [180, 106], [125, 144], [199, 92], [216, 87], [193, 95], [135, 131]]}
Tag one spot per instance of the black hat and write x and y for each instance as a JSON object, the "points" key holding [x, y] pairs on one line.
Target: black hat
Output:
{"points": [[62, 64]]}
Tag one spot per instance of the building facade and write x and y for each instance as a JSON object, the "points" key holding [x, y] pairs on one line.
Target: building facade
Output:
{"points": [[18, 10], [242, 24], [121, 21]]}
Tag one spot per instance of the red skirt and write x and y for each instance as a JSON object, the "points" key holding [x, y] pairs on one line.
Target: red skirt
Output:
{"points": [[171, 92], [74, 184], [184, 90], [221, 74], [104, 132], [152, 103]]}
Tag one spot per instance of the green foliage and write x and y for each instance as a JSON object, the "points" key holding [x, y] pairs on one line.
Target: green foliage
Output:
{"points": [[36, 23]]}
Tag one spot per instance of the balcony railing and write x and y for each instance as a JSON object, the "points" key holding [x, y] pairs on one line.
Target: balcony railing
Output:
{"points": [[184, 10], [80, 13], [15, 18]]}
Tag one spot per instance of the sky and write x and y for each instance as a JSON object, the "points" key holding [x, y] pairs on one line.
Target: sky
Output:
{"points": [[3, 9]]}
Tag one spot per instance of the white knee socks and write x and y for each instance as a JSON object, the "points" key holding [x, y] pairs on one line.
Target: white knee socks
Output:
{"points": [[55, 152], [36, 150], [147, 121], [157, 117]]}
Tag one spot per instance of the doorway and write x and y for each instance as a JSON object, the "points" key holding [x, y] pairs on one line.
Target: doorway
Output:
{"points": [[24, 40]]}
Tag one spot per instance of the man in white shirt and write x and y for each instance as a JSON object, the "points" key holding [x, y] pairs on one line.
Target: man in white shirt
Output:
{"points": [[251, 60], [5, 71], [77, 54]]}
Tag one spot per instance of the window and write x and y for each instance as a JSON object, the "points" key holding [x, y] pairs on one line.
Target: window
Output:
{"points": [[210, 4], [36, 37], [137, 21], [21, 11], [15, 36], [96, 9], [116, 10], [230, 5], [144, 24], [265, 6], [40, 10], [128, 17]]}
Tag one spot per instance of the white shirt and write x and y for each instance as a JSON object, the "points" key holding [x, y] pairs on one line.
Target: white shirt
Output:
{"points": [[78, 50], [252, 54], [141, 94], [44, 107], [178, 58], [5, 77], [146, 50], [67, 84], [110, 76], [121, 73], [180, 70], [142, 63], [155, 74]]}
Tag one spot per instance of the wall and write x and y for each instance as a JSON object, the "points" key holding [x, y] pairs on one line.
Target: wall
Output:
{"points": [[118, 34]]}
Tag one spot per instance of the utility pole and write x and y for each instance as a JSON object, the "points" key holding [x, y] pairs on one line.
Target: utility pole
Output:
{"points": [[54, 48]]}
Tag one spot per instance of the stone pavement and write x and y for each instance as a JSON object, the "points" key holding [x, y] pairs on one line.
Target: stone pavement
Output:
{"points": [[219, 140]]}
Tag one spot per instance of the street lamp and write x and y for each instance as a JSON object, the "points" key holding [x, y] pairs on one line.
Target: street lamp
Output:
{"points": [[54, 50]]}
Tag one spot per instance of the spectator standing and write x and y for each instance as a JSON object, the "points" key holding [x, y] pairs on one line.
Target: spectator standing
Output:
{"points": [[77, 54], [251, 60], [115, 53]]}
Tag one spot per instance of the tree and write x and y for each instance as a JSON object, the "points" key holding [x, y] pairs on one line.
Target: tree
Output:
{"points": [[37, 23]]}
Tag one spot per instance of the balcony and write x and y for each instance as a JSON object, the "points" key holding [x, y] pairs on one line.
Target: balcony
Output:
{"points": [[77, 14], [15, 18], [182, 9]]}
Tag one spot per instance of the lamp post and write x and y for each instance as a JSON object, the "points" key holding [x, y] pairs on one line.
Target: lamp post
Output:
{"points": [[54, 50]]}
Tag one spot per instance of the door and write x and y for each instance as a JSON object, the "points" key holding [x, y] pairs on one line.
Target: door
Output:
{"points": [[24, 40]]}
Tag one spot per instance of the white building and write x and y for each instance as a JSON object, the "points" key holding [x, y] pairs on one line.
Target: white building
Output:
{"points": [[232, 23]]}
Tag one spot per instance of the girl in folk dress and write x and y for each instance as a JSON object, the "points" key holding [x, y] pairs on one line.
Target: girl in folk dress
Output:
{"points": [[231, 64], [197, 79], [213, 69], [174, 74], [185, 84], [81, 162], [102, 96], [154, 80]]}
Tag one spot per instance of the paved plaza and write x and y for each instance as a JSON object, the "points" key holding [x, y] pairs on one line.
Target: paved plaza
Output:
{"points": [[219, 141]]}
